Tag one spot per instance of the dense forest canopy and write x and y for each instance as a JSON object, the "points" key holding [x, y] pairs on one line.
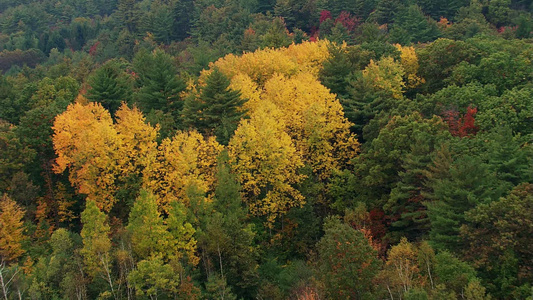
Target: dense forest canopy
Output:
{"points": [[266, 149]]}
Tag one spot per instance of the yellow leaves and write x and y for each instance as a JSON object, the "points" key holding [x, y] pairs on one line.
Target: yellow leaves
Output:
{"points": [[402, 262], [98, 153], [386, 75], [138, 140], [261, 65], [409, 62], [309, 56], [315, 121], [86, 142], [294, 121], [266, 162], [11, 229], [249, 90], [185, 162]]}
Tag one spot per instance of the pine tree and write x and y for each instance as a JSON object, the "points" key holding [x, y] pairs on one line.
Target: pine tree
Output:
{"points": [[415, 25], [218, 109], [158, 84], [227, 238], [109, 87], [468, 184], [183, 16]]}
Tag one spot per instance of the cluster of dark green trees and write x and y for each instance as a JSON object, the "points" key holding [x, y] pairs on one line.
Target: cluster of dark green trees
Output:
{"points": [[438, 204]]}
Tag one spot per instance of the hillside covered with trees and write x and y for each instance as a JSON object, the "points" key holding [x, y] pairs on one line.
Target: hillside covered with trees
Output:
{"points": [[288, 149]]}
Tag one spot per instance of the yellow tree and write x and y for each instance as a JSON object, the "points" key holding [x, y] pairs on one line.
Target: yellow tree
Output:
{"points": [[184, 164], [138, 140], [261, 65], [266, 162], [86, 143], [409, 62], [315, 121], [11, 230], [400, 268], [386, 75]]}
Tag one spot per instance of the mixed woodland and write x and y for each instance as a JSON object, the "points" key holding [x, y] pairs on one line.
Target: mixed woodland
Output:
{"points": [[266, 149]]}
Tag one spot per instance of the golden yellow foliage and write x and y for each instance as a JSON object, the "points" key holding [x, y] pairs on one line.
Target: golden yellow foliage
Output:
{"points": [[11, 230], [315, 121], [409, 61], [249, 90], [266, 163], [138, 140], [261, 65], [185, 162], [86, 142]]}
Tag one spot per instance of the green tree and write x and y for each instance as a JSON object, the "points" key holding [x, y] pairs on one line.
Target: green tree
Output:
{"points": [[513, 109], [14, 155], [183, 19], [337, 70], [467, 183], [183, 243], [128, 14], [217, 110], [347, 263], [228, 239], [386, 11], [109, 86], [149, 235], [452, 272], [439, 58], [159, 21], [153, 278], [58, 275], [391, 170], [96, 249], [498, 238], [158, 85], [416, 27]]}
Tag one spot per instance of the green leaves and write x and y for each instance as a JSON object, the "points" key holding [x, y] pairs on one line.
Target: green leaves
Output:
{"points": [[158, 84], [109, 86], [217, 110], [347, 263]]}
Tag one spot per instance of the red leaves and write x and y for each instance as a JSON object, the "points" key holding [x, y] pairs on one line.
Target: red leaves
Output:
{"points": [[92, 51], [347, 20], [461, 126], [325, 15]]}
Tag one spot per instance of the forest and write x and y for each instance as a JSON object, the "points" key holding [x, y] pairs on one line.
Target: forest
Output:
{"points": [[266, 149]]}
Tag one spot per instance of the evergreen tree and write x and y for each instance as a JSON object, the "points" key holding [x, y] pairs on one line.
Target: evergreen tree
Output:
{"points": [[109, 86], [158, 84], [416, 26], [467, 184], [159, 21], [183, 18], [386, 10], [129, 14], [336, 70], [228, 238], [217, 110]]}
